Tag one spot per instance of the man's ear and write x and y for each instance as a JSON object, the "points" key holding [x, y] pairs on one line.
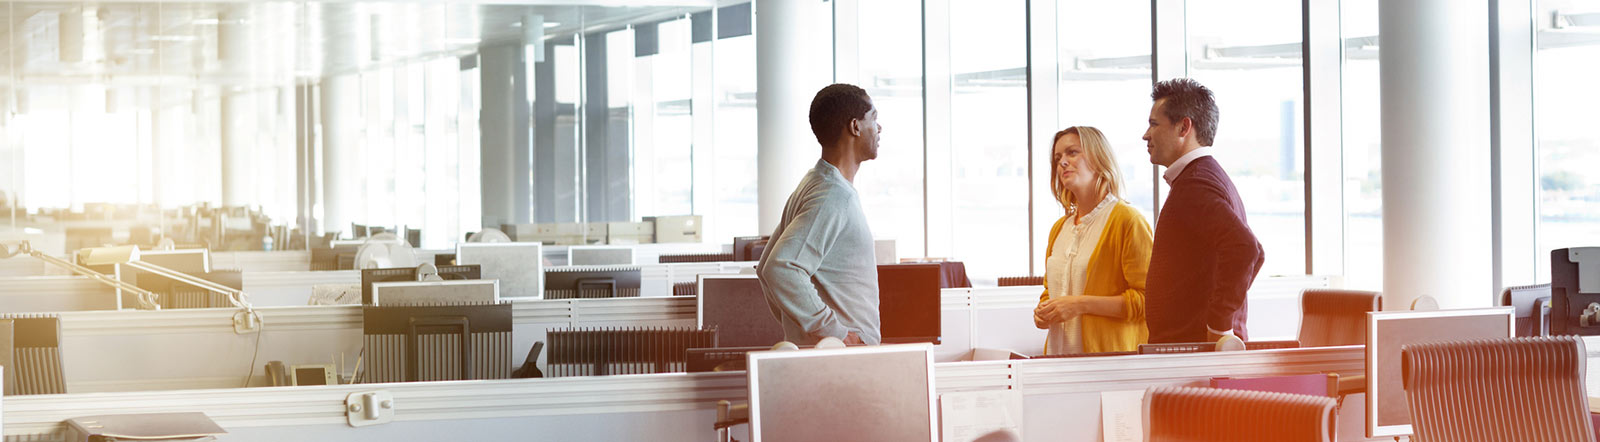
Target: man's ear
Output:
{"points": [[855, 127], [1186, 128]]}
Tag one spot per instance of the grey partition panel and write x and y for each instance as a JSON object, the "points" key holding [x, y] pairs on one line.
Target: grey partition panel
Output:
{"points": [[36, 355], [865, 393], [518, 266]]}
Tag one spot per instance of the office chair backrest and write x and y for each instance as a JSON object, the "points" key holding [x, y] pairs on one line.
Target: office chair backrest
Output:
{"points": [[1015, 281], [1209, 414], [1336, 317], [1498, 389]]}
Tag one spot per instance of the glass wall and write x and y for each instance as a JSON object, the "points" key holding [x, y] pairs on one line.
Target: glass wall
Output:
{"points": [[1105, 83], [1363, 136], [890, 69], [988, 138], [1567, 55], [616, 113]]}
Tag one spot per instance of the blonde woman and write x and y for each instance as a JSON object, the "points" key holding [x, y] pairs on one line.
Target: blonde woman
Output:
{"points": [[1097, 256]]}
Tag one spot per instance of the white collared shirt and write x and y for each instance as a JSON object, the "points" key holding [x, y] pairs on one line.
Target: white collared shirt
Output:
{"points": [[1177, 166]]}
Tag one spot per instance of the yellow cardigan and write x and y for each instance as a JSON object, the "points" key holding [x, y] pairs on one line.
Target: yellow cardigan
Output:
{"points": [[1117, 268]]}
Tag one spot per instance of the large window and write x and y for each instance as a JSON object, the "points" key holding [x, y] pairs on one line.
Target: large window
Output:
{"points": [[890, 69], [988, 138], [663, 124], [1256, 74], [1363, 136], [734, 211], [1568, 148], [1105, 83]]}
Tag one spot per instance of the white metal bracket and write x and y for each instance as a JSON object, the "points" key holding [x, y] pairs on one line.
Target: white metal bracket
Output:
{"points": [[246, 321], [369, 408]]}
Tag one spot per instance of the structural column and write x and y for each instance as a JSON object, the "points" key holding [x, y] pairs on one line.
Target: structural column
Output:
{"points": [[238, 112], [792, 64], [1436, 183], [505, 148], [342, 200]]}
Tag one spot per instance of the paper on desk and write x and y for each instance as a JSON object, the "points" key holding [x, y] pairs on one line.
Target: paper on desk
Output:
{"points": [[1122, 416], [969, 416]]}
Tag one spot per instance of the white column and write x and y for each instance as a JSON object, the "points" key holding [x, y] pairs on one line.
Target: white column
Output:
{"points": [[238, 113], [342, 170], [1436, 213], [792, 64]]}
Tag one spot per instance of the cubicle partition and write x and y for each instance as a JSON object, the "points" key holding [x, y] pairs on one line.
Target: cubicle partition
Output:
{"points": [[259, 261], [283, 289], [1061, 400], [198, 348], [49, 294]]}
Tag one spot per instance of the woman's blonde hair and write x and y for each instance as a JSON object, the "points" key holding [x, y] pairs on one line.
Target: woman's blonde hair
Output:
{"points": [[1108, 179]]}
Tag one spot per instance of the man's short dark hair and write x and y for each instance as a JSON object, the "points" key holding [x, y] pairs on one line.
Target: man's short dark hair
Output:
{"points": [[834, 107], [1186, 98]]}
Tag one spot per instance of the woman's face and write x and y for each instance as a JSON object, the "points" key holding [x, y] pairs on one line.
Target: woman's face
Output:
{"points": [[1072, 164]]}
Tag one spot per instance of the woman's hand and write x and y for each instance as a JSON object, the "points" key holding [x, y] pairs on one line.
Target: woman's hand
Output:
{"points": [[1039, 320], [1060, 309]]}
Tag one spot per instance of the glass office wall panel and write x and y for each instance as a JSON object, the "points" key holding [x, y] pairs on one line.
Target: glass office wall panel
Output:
{"points": [[734, 211], [662, 121], [1105, 84], [1363, 136], [664, 151], [1567, 56], [1255, 72], [989, 138], [890, 69]]}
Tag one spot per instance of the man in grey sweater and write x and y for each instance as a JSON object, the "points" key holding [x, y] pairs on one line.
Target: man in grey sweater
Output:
{"points": [[818, 271]]}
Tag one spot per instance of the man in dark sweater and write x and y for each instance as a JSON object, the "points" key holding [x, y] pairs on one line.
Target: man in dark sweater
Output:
{"points": [[1205, 256]]}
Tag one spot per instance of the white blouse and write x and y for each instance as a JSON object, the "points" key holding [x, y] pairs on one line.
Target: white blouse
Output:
{"points": [[1067, 271]]}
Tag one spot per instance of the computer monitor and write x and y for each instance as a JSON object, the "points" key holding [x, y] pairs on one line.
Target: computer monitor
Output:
{"points": [[409, 274], [1532, 306], [436, 343], [1574, 286], [600, 256], [735, 306], [422, 293], [192, 262], [909, 303], [518, 265], [744, 247], [877, 393], [1388, 412], [591, 282], [414, 236]]}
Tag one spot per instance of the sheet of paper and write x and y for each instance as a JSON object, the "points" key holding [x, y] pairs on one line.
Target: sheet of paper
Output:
{"points": [[1122, 416], [969, 416]]}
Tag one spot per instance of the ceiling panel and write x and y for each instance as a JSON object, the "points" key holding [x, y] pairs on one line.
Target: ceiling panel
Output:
{"points": [[134, 43]]}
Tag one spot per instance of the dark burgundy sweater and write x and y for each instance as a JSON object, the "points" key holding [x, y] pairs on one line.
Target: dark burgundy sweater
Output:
{"points": [[1204, 259]]}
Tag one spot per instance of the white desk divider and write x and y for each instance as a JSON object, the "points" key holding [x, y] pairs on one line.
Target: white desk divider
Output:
{"points": [[44, 294], [259, 261], [198, 348], [283, 289], [667, 407]]}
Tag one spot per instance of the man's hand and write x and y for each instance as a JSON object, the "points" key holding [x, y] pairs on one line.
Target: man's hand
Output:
{"points": [[852, 338]]}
